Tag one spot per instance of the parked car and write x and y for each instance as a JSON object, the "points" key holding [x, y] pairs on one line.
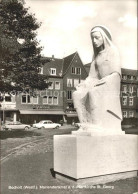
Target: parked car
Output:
{"points": [[47, 124], [15, 126]]}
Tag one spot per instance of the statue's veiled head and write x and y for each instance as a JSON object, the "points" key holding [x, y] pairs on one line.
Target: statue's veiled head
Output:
{"points": [[101, 38]]}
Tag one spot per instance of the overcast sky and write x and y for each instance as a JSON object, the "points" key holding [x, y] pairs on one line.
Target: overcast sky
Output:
{"points": [[66, 26]]}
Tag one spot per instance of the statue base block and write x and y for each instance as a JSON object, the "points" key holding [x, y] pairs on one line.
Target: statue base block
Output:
{"points": [[98, 159]]}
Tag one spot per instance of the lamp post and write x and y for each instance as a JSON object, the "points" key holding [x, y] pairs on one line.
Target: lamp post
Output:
{"points": [[4, 109]]}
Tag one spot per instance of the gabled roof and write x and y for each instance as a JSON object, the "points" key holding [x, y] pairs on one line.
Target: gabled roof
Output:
{"points": [[62, 65], [55, 63], [123, 70], [129, 71], [67, 62]]}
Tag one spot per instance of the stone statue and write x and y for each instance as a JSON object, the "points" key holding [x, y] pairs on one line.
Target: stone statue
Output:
{"points": [[97, 99]]}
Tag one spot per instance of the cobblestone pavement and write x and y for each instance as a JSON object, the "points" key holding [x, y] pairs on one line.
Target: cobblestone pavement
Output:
{"points": [[11, 140], [30, 171]]}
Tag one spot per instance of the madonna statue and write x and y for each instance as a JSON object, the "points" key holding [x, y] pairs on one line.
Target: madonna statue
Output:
{"points": [[97, 99]]}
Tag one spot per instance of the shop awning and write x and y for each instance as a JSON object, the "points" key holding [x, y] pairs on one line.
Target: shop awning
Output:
{"points": [[12, 110], [42, 112]]}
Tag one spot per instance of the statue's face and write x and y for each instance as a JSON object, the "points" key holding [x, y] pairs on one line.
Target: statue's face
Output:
{"points": [[97, 39]]}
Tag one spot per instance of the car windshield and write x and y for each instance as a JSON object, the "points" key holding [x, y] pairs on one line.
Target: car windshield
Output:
{"points": [[41, 121]]}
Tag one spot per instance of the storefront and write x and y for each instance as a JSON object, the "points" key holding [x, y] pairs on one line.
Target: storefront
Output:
{"points": [[34, 116]]}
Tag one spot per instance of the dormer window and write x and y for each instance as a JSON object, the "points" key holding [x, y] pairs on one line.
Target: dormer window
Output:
{"points": [[52, 71], [124, 77]]}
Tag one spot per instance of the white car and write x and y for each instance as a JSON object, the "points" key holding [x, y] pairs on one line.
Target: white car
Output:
{"points": [[47, 124], [15, 126]]}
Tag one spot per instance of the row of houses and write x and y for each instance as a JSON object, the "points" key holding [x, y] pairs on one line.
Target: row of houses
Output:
{"points": [[55, 103]]}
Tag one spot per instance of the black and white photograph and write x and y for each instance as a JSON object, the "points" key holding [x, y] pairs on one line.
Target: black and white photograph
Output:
{"points": [[68, 97]]}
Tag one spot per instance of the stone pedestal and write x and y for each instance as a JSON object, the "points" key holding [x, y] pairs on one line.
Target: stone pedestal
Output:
{"points": [[85, 157]]}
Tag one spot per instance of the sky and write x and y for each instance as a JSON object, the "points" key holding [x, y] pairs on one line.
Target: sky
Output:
{"points": [[66, 26]]}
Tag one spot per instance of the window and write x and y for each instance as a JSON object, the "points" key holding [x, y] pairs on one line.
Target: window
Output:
{"points": [[124, 88], [124, 100], [51, 86], [124, 77], [26, 99], [45, 100], [131, 101], [52, 71], [131, 114], [78, 71], [69, 82], [131, 77], [50, 100], [7, 98], [55, 100], [34, 100], [69, 95], [124, 114], [134, 77], [40, 70], [73, 70], [76, 82], [131, 89], [57, 85]]}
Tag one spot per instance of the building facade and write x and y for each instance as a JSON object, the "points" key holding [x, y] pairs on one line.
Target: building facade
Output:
{"points": [[129, 95], [55, 103], [73, 73]]}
